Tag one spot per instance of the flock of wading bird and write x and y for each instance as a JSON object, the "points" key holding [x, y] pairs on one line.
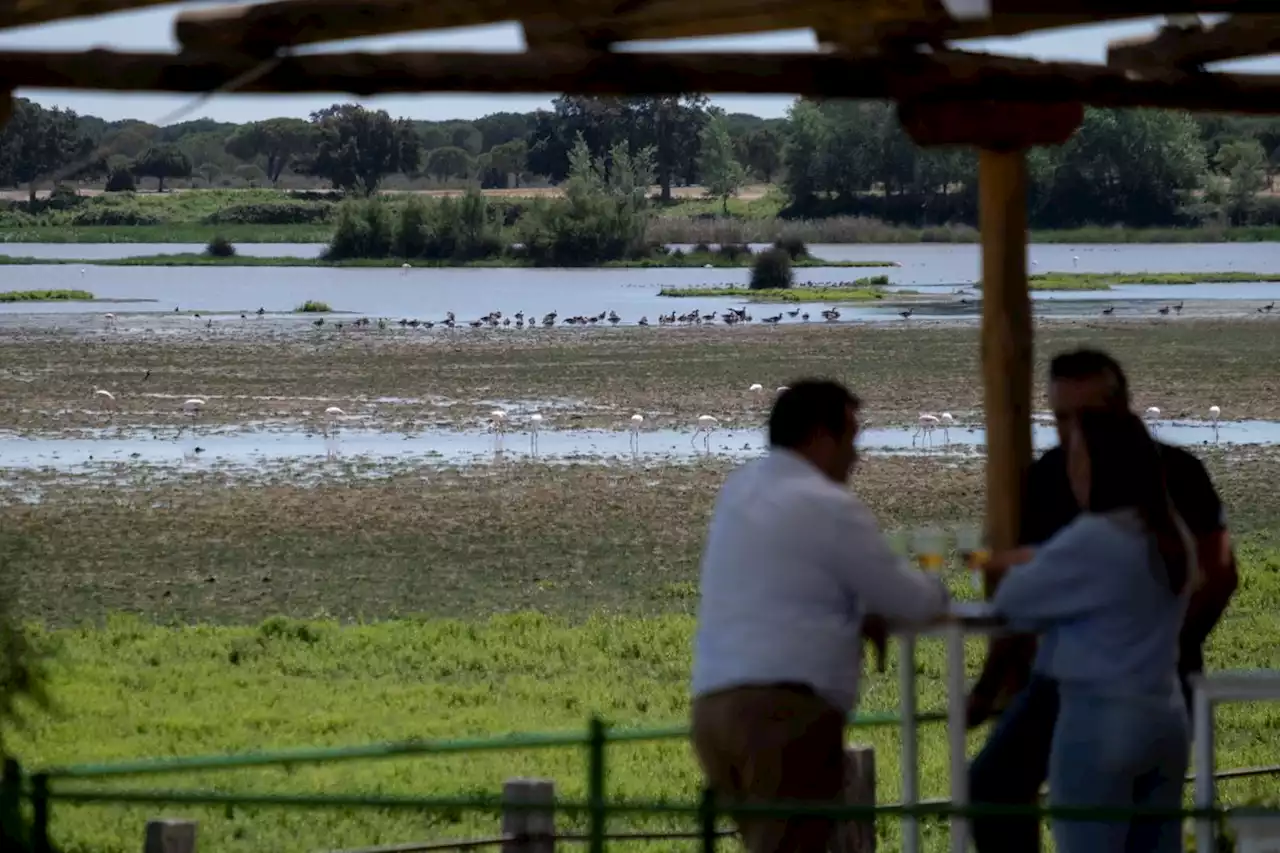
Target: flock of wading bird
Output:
{"points": [[696, 317], [500, 423]]}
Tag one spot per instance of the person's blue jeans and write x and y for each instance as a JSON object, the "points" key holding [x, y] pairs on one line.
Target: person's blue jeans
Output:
{"points": [[1123, 751], [1013, 765], [1011, 768]]}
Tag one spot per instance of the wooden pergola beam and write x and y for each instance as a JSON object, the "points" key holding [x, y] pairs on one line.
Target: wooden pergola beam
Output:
{"points": [[1142, 8], [1189, 48], [31, 12], [960, 76], [265, 27]]}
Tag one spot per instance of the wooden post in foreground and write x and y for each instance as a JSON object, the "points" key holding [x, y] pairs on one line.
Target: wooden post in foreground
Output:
{"points": [[1006, 337], [857, 836], [529, 830], [1002, 132], [170, 836]]}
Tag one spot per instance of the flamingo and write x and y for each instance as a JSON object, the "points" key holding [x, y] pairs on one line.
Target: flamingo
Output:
{"points": [[1153, 415], [106, 398], [535, 422], [404, 269], [110, 320], [331, 415], [706, 426], [1215, 412], [756, 388], [497, 426], [947, 422], [782, 388], [924, 429], [192, 408], [637, 422]]}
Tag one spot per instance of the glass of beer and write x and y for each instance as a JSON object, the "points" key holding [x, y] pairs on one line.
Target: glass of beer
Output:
{"points": [[928, 550], [974, 552]]}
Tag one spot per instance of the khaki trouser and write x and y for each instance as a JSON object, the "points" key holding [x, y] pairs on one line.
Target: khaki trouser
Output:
{"points": [[772, 744]]}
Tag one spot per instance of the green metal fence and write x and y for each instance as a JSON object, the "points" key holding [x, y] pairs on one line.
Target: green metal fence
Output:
{"points": [[41, 789]]}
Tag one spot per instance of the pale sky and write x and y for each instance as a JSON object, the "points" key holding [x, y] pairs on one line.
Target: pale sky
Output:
{"points": [[152, 29]]}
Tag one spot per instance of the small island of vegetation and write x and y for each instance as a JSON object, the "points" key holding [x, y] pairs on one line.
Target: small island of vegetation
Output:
{"points": [[46, 296]]}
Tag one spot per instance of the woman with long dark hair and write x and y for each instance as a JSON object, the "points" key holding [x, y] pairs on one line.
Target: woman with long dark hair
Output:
{"points": [[1107, 594]]}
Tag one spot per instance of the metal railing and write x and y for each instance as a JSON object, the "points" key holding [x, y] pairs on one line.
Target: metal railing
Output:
{"points": [[42, 789]]}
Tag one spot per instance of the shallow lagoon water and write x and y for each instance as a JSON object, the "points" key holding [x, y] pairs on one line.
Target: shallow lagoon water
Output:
{"points": [[936, 270], [209, 447]]}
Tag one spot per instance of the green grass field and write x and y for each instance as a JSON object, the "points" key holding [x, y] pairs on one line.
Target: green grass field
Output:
{"points": [[317, 604]]}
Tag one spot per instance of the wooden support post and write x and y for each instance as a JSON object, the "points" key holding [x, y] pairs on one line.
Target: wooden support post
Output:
{"points": [[530, 830], [1002, 132], [1006, 337], [170, 836], [859, 790]]}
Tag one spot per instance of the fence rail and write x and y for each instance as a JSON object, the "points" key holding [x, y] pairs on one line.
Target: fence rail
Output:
{"points": [[402, 749], [75, 784]]}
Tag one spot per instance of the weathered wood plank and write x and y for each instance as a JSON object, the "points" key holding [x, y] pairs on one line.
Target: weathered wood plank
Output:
{"points": [[991, 125], [1006, 338], [965, 77], [1180, 47], [29, 12]]}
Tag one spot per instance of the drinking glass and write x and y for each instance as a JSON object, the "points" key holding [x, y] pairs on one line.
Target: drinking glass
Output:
{"points": [[974, 552], [927, 548]]}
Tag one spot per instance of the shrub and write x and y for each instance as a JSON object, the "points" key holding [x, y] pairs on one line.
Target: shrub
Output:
{"points": [[220, 247], [64, 197], [121, 181], [364, 230], [281, 213], [314, 306], [102, 215], [771, 270], [793, 246]]}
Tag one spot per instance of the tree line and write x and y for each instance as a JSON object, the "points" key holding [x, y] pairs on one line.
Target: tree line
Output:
{"points": [[1136, 167]]}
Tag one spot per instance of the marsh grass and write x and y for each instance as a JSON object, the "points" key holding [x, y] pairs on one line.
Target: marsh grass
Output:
{"points": [[672, 375], [188, 259], [46, 296], [791, 294], [1104, 281], [191, 217]]}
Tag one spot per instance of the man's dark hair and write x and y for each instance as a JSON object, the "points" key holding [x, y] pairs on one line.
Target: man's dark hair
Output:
{"points": [[1090, 364], [806, 407]]}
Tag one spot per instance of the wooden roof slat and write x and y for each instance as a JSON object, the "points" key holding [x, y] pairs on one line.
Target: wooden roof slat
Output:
{"points": [[22, 13], [1141, 8], [955, 75], [263, 27], [1181, 47], [266, 26]]}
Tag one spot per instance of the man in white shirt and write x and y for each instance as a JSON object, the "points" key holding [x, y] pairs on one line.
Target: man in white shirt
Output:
{"points": [[793, 563]]}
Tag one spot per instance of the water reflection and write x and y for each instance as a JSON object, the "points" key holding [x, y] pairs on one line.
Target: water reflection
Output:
{"points": [[217, 446], [221, 296]]}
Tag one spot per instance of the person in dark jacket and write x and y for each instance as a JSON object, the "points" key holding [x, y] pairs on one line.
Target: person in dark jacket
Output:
{"points": [[1014, 763]]}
